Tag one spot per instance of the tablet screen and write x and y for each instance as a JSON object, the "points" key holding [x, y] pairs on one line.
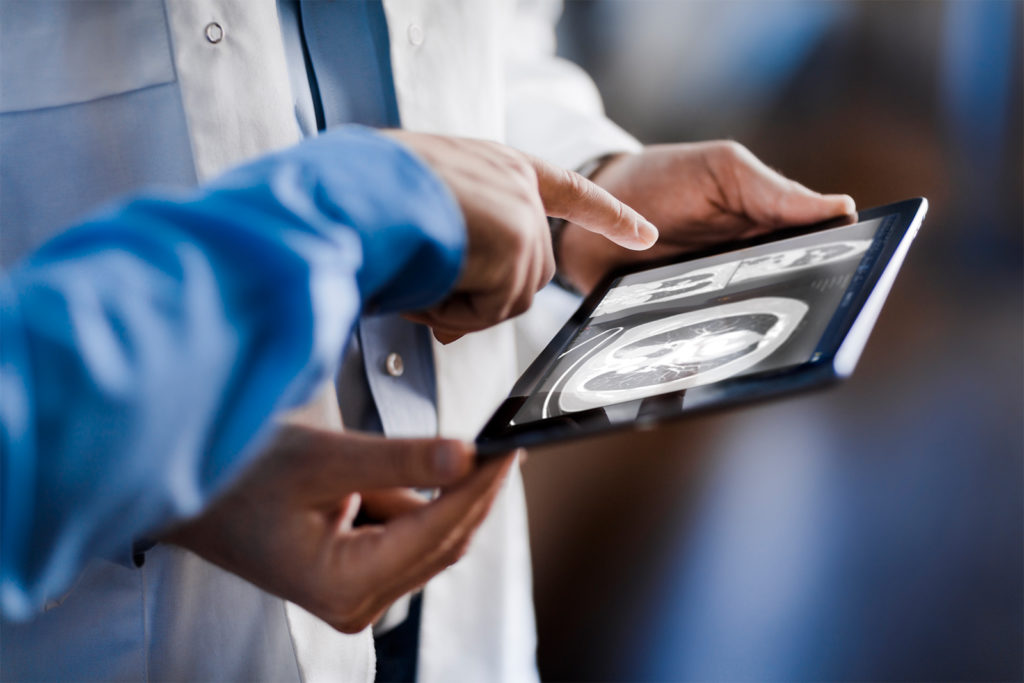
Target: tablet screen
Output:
{"points": [[690, 324]]}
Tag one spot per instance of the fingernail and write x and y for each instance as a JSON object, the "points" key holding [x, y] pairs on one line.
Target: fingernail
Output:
{"points": [[647, 233]]}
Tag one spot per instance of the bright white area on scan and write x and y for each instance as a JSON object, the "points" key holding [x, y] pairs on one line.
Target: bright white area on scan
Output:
{"points": [[704, 280], [681, 351]]}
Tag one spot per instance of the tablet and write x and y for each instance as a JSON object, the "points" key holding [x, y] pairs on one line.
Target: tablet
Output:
{"points": [[751, 320]]}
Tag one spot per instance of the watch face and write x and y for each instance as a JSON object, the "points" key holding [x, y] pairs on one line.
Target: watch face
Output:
{"points": [[681, 351]]}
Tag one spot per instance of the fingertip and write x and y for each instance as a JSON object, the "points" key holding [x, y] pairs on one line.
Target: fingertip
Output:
{"points": [[849, 205], [648, 233], [842, 204], [643, 237]]}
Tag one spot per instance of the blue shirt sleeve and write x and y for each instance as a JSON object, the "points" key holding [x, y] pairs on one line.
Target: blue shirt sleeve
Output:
{"points": [[142, 352]]}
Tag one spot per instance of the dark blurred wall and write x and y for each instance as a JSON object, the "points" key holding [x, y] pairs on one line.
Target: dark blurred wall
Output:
{"points": [[871, 532]]}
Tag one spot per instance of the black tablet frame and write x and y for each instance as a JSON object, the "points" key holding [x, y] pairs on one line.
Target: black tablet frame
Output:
{"points": [[879, 264]]}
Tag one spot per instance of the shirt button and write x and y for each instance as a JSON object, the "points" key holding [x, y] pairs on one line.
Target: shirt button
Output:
{"points": [[214, 32], [394, 365], [415, 35]]}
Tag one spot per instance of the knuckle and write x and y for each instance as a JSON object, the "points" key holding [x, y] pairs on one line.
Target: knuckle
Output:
{"points": [[350, 624], [577, 188], [622, 214], [489, 306], [534, 219], [454, 553], [452, 549], [490, 313], [460, 550], [731, 149], [549, 270], [518, 239], [351, 610], [521, 305], [520, 166], [499, 313], [777, 210], [491, 146]]}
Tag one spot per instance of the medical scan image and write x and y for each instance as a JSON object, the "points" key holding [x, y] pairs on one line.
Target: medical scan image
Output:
{"points": [[670, 329], [681, 351], [717, 277]]}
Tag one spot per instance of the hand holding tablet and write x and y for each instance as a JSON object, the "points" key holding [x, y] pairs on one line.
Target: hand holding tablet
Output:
{"points": [[700, 195], [772, 315]]}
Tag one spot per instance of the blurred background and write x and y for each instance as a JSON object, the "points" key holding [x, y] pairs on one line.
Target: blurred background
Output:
{"points": [[874, 531]]}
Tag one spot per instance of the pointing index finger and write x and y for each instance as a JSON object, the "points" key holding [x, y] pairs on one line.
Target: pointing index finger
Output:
{"points": [[566, 194]]}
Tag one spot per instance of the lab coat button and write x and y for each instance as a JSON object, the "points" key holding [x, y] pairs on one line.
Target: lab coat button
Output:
{"points": [[214, 32], [394, 365], [415, 35]]}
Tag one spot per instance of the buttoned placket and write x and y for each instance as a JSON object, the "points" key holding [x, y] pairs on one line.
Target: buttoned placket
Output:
{"points": [[397, 355]]}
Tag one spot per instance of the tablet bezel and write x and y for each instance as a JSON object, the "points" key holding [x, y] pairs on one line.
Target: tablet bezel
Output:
{"points": [[834, 357]]}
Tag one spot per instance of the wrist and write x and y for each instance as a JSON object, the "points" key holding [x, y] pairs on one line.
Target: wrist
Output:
{"points": [[558, 226], [592, 169]]}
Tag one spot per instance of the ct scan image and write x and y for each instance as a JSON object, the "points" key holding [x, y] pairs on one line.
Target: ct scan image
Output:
{"points": [[670, 329], [681, 351], [717, 277]]}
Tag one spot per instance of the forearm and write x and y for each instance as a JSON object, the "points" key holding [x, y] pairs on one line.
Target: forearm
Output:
{"points": [[144, 351]]}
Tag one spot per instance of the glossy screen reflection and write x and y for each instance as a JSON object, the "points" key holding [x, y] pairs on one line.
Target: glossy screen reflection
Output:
{"points": [[670, 329]]}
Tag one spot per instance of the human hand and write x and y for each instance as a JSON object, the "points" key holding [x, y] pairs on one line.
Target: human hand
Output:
{"points": [[286, 525], [699, 195], [505, 196]]}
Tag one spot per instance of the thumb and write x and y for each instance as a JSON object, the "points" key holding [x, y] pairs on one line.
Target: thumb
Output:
{"points": [[569, 195], [797, 204], [771, 199], [350, 461]]}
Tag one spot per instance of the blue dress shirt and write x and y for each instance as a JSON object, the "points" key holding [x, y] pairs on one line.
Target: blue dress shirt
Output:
{"points": [[339, 67], [144, 350]]}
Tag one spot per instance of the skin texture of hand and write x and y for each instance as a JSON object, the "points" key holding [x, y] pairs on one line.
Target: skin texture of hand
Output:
{"points": [[699, 195], [286, 525], [506, 196]]}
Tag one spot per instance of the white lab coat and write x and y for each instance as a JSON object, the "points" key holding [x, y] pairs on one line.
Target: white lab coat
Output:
{"points": [[462, 67]]}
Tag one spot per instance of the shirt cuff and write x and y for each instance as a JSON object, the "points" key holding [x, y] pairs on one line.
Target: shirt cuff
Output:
{"points": [[414, 234]]}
